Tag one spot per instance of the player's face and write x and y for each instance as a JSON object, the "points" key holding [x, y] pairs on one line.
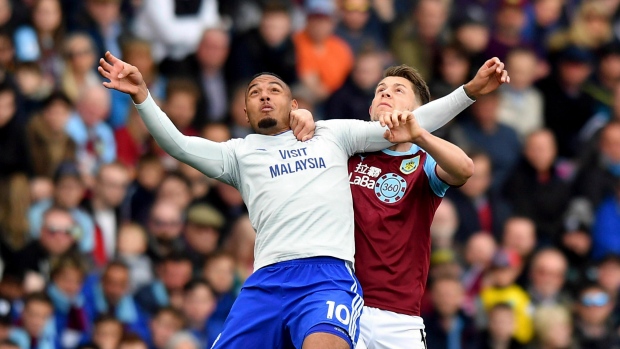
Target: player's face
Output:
{"points": [[268, 104], [393, 93]]}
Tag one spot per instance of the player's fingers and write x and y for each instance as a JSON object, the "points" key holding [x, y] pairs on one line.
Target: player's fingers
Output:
{"points": [[500, 67], [387, 135], [382, 119], [127, 70], [508, 79], [395, 122], [293, 120], [104, 73], [111, 58], [504, 77], [107, 84], [105, 65]]}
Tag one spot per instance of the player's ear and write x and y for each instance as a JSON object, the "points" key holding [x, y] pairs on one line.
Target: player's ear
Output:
{"points": [[247, 118], [370, 110], [294, 104]]}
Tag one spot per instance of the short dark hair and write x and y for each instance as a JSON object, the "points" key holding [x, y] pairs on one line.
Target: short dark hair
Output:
{"points": [[38, 297], [420, 88], [67, 261], [182, 85], [195, 283], [132, 339], [107, 318], [285, 85]]}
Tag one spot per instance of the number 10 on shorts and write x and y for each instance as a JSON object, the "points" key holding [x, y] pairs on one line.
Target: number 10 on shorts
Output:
{"points": [[338, 311]]}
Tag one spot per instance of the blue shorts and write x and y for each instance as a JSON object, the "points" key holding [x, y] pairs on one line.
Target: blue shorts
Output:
{"points": [[280, 304]]}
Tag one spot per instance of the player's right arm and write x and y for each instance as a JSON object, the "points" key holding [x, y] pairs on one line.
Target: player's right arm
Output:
{"points": [[209, 157]]}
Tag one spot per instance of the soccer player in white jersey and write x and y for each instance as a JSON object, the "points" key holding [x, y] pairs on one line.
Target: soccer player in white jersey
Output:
{"points": [[303, 293]]}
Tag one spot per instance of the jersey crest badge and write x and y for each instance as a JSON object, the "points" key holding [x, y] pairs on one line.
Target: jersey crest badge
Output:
{"points": [[408, 166], [390, 188]]}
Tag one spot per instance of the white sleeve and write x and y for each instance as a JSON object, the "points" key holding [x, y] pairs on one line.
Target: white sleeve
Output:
{"points": [[216, 160], [357, 136], [173, 30], [437, 113]]}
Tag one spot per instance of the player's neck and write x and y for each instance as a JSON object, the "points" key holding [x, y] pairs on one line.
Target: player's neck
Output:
{"points": [[401, 147]]}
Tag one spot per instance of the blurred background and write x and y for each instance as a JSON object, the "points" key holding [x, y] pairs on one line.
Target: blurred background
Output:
{"points": [[107, 242]]}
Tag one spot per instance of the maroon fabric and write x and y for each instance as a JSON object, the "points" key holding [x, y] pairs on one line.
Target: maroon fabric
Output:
{"points": [[392, 232], [77, 319]]}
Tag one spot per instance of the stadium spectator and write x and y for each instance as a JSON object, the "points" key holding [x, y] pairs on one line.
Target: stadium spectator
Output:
{"points": [[202, 233], [136, 52], [198, 306], [485, 132], [554, 327], [538, 172], [594, 327], [454, 70], [267, 48], [571, 108], [87, 128], [608, 276], [175, 30], [359, 27], [547, 276], [68, 193], [80, 60], [131, 248], [219, 271], [351, 101], [447, 325], [472, 32], [211, 55], [36, 325], [604, 231], [479, 208], [48, 143], [175, 189], [14, 156], [501, 331], [596, 181], [444, 225], [509, 25], [110, 295], [183, 340], [606, 77], [238, 122], [58, 235], [589, 29], [32, 86], [42, 41], [141, 194], [416, 42], [107, 332], [165, 226], [132, 141], [173, 273], [70, 319], [521, 104], [505, 268], [132, 341], [519, 235], [323, 60], [104, 204], [478, 253], [103, 22], [240, 244], [164, 324]]}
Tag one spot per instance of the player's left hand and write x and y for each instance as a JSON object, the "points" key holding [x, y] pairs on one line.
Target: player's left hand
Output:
{"points": [[302, 124], [403, 126], [488, 78]]}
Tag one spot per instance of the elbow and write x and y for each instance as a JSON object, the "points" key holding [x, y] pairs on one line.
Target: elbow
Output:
{"points": [[466, 171]]}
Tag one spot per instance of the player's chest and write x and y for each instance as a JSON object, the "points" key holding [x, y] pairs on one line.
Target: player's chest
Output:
{"points": [[385, 179], [282, 161]]}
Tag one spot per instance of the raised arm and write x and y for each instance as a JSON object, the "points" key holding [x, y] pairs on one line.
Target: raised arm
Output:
{"points": [[435, 114], [210, 158]]}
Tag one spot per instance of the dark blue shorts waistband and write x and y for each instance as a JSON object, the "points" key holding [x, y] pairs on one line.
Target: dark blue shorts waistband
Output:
{"points": [[310, 260]]}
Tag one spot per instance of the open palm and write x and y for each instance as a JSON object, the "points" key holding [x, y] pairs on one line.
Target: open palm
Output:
{"points": [[123, 77]]}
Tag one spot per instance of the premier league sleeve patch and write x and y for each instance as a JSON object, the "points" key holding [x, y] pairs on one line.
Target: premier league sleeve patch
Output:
{"points": [[408, 166], [391, 188]]}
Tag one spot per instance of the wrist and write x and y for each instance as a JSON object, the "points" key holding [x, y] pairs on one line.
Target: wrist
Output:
{"points": [[421, 139], [141, 94], [469, 91]]}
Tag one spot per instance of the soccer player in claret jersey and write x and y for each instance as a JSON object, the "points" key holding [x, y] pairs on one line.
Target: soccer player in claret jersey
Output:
{"points": [[303, 293], [395, 194]]}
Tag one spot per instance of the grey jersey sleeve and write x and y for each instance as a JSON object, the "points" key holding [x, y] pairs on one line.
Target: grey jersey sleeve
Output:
{"points": [[216, 160], [433, 115], [356, 136]]}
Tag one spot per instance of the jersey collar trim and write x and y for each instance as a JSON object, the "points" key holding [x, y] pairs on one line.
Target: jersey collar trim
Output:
{"points": [[414, 149]]}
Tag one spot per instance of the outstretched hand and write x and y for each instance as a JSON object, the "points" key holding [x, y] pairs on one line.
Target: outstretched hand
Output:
{"points": [[488, 78], [123, 77], [302, 124]]}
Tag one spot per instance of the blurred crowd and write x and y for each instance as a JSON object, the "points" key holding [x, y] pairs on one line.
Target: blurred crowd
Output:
{"points": [[107, 242]]}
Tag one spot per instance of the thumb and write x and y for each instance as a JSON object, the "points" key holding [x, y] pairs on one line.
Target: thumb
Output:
{"points": [[388, 135], [485, 72], [126, 71]]}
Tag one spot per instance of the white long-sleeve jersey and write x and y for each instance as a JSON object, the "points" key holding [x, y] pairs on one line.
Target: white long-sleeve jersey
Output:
{"points": [[297, 193]]}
